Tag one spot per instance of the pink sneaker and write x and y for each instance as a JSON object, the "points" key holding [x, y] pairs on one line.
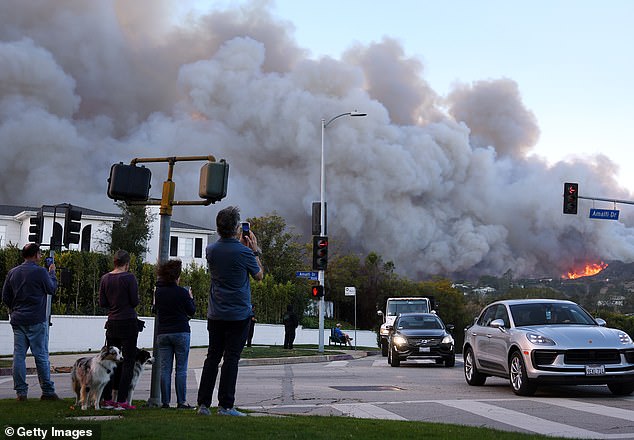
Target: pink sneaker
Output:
{"points": [[107, 404], [123, 406]]}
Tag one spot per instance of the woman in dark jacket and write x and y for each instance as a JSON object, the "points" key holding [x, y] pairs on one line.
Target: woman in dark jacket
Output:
{"points": [[174, 307]]}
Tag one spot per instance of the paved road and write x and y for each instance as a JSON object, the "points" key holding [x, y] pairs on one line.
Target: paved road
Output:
{"points": [[368, 387]]}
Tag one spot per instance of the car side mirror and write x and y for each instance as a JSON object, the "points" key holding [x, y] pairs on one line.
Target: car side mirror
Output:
{"points": [[497, 323], [601, 322]]}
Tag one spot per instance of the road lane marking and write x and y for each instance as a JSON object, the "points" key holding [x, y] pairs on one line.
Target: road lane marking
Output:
{"points": [[366, 411], [527, 422]]}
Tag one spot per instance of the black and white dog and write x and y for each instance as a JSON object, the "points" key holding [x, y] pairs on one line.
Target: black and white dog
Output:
{"points": [[143, 358], [91, 374]]}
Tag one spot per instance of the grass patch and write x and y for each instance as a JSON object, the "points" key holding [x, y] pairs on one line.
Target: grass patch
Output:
{"points": [[152, 423]]}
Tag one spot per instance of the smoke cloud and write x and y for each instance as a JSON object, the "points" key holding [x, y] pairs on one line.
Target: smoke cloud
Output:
{"points": [[439, 185]]}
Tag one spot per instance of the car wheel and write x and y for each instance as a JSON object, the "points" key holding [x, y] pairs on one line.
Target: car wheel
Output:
{"points": [[383, 348], [471, 373], [622, 388], [450, 361], [518, 378], [393, 358]]}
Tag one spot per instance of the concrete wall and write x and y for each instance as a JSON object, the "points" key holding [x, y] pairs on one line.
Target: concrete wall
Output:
{"points": [[84, 333]]}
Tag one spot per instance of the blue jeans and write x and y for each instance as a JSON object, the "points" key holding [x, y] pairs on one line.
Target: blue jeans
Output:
{"points": [[226, 341], [35, 337], [174, 345]]}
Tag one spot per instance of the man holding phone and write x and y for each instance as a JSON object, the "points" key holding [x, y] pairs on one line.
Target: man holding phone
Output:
{"points": [[25, 293], [232, 260]]}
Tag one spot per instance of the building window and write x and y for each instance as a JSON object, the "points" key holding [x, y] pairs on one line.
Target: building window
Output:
{"points": [[186, 247], [173, 246], [85, 238], [198, 248]]}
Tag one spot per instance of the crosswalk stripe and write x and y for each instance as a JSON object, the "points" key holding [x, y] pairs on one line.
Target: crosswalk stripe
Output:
{"points": [[525, 421], [608, 411], [366, 411], [337, 364]]}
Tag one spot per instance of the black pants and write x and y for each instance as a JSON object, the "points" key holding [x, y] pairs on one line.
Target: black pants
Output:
{"points": [[289, 337], [226, 341], [122, 334]]}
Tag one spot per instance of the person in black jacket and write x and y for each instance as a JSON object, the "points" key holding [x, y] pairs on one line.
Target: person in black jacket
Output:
{"points": [[174, 307], [290, 324], [119, 293]]}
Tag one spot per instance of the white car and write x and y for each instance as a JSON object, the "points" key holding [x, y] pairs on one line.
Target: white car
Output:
{"points": [[545, 341]]}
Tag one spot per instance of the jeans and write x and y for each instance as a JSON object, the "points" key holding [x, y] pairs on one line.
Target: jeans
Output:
{"points": [[122, 334], [226, 341], [34, 336], [174, 345]]}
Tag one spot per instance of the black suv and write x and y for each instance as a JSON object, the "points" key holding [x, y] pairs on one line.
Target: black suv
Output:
{"points": [[420, 335]]}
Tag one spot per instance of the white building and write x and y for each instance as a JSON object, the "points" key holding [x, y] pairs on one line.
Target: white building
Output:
{"points": [[187, 242]]}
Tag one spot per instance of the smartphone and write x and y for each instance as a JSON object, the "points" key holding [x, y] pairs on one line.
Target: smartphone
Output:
{"points": [[245, 229], [48, 261]]}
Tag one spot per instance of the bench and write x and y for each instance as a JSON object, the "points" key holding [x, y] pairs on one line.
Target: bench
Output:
{"points": [[334, 339]]}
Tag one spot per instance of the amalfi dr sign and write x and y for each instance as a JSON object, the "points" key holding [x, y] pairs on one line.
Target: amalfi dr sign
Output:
{"points": [[605, 214]]}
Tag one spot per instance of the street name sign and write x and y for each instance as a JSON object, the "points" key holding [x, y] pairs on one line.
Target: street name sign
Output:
{"points": [[605, 214], [307, 274], [350, 291]]}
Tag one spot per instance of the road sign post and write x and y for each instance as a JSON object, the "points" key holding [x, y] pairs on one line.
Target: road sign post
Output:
{"points": [[352, 291]]}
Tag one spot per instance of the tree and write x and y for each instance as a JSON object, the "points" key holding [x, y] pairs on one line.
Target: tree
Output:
{"points": [[282, 254], [133, 231]]}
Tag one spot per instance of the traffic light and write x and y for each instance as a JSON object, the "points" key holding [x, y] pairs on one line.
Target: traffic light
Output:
{"points": [[320, 252], [318, 291], [571, 195], [37, 228], [72, 226], [213, 181], [129, 182]]}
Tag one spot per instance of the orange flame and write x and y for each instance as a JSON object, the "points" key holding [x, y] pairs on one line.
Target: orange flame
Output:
{"points": [[589, 270]]}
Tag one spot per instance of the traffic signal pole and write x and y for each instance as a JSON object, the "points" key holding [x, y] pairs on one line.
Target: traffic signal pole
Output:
{"points": [[212, 189]]}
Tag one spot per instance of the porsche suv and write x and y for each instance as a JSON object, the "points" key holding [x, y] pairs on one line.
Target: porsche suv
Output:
{"points": [[420, 335], [534, 342]]}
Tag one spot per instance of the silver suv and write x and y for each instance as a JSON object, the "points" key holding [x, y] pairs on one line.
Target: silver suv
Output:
{"points": [[545, 341]]}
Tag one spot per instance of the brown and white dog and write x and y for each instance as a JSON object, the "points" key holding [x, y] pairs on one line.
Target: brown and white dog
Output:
{"points": [[91, 374], [142, 358]]}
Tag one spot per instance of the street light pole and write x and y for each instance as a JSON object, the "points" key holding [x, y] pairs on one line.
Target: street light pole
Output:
{"points": [[322, 220]]}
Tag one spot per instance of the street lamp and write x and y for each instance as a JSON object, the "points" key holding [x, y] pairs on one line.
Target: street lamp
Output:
{"points": [[322, 220]]}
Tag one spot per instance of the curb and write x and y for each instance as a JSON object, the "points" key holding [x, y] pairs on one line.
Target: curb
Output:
{"points": [[243, 362]]}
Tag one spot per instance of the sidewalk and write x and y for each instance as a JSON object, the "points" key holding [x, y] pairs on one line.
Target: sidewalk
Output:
{"points": [[62, 363]]}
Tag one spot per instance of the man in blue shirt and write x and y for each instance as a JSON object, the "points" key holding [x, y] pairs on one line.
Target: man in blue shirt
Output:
{"points": [[232, 259], [25, 292]]}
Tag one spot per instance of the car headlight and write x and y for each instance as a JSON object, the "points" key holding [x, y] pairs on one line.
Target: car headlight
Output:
{"points": [[536, 339], [625, 338], [384, 331], [447, 340], [399, 340]]}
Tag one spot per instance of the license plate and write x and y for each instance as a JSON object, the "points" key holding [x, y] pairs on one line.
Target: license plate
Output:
{"points": [[595, 370], [423, 349]]}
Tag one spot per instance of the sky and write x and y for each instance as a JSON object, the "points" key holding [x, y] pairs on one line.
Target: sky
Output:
{"points": [[570, 58], [477, 113]]}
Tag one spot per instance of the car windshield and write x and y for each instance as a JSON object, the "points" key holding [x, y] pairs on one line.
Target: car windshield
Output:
{"points": [[396, 307], [549, 314], [419, 322]]}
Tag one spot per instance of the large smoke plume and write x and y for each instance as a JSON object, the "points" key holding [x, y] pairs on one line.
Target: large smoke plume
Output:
{"points": [[438, 184]]}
